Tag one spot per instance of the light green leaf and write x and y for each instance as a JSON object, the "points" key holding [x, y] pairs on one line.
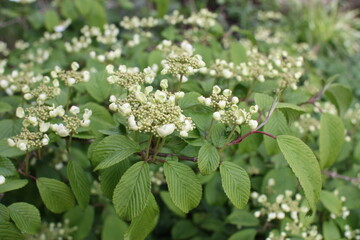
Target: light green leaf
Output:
{"points": [[340, 96], [98, 87], [237, 53], [26, 217], [214, 192], [331, 139], [12, 184], [331, 231], [110, 177], [165, 196], [79, 182], [291, 111], [184, 187], [8, 231], [143, 224], [276, 125], [263, 100], [96, 15], [304, 164], [162, 7], [7, 168], [5, 107], [208, 159], [116, 148], [242, 218], [51, 20], [4, 213], [68, 10], [331, 202], [114, 228], [248, 234], [56, 195], [83, 6], [236, 183], [132, 192]]}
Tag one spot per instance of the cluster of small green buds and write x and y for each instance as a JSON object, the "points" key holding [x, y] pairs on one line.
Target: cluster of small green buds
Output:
{"points": [[153, 112], [307, 123], [71, 77], [19, 81], [135, 22], [62, 26], [106, 36], [45, 91], [77, 44], [27, 140], [72, 122], [106, 56], [269, 15], [222, 68], [227, 110], [202, 19], [351, 234], [129, 77], [174, 18]]}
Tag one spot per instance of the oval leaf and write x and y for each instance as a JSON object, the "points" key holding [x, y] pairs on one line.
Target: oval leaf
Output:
{"points": [[79, 182], [208, 160], [26, 217]]}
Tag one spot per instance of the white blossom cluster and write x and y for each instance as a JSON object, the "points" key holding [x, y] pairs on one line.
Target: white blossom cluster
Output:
{"points": [[351, 234], [129, 77], [21, 44], [287, 206], [153, 112], [171, 49], [227, 110], [135, 22], [41, 117], [269, 15], [45, 91], [110, 55], [58, 231], [307, 124], [62, 26], [325, 107], [223, 69], [72, 76], [202, 19], [353, 114], [4, 49], [270, 37], [106, 36], [174, 18], [77, 44]]}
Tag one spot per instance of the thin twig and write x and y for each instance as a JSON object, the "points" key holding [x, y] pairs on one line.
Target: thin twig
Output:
{"points": [[343, 177], [240, 139]]}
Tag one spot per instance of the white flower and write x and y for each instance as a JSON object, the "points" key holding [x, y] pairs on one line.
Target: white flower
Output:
{"points": [[148, 90], [222, 104], [74, 110], [132, 123], [179, 95], [135, 88], [164, 84], [60, 130], [253, 124], [85, 123], [32, 120], [42, 97], [201, 99], [207, 101], [20, 113], [75, 66], [86, 76], [216, 90], [184, 134], [280, 215], [4, 83], [22, 145], [261, 78], [71, 81], [217, 116], [227, 73], [28, 96], [45, 140], [227, 92], [87, 114], [141, 97], [110, 69], [257, 214], [254, 109], [160, 96], [166, 129], [113, 107], [2, 179], [235, 100], [44, 126], [11, 142], [125, 109], [113, 98]]}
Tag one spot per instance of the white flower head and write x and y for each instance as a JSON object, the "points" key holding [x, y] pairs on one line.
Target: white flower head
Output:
{"points": [[166, 130], [74, 110]]}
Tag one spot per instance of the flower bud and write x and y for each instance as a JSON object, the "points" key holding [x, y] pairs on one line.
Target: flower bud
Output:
{"points": [[254, 109], [44, 126], [113, 99], [166, 130], [227, 92], [253, 124], [113, 107], [160, 96], [222, 104], [74, 66], [74, 110], [71, 81], [164, 84], [20, 113], [141, 97], [216, 90], [217, 116], [11, 142]]}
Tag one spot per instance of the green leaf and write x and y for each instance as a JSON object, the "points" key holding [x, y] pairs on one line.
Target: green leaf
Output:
{"points": [[208, 159], [242, 218], [165, 196], [263, 100], [218, 134], [110, 177], [25, 216], [331, 231], [83, 6], [9, 128], [5, 107], [12, 184], [96, 15], [79, 182], [184, 187], [340, 96], [100, 119], [237, 53], [8, 231], [68, 10], [162, 7], [305, 166], [213, 191], [116, 148], [236, 183], [291, 111], [4, 213], [132, 192], [331, 139], [98, 87], [143, 224], [248, 234], [331, 202], [82, 219], [114, 228], [184, 229], [56, 195], [276, 125], [51, 20], [7, 168]]}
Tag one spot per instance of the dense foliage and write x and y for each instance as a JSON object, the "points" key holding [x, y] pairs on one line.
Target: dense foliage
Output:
{"points": [[232, 123]]}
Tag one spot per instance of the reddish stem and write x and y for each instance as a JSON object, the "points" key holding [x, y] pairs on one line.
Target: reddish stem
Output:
{"points": [[240, 139]]}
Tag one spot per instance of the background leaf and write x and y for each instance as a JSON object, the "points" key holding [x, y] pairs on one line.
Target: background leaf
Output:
{"points": [[25, 216]]}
